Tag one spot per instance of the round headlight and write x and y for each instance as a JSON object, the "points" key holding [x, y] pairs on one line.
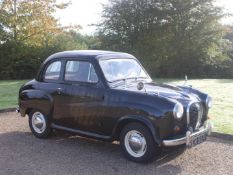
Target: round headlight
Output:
{"points": [[178, 111], [209, 102]]}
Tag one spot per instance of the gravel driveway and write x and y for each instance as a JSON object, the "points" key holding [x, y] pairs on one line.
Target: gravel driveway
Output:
{"points": [[22, 153]]}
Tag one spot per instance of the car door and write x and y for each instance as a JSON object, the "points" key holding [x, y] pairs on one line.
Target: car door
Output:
{"points": [[82, 96], [51, 83]]}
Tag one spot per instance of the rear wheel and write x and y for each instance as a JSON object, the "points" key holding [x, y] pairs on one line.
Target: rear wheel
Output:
{"points": [[39, 124], [137, 143]]}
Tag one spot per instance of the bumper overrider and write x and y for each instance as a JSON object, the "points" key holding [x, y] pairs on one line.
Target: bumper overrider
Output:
{"points": [[187, 139]]}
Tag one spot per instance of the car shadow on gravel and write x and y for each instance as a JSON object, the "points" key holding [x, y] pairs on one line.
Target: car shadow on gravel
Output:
{"points": [[68, 152], [165, 154]]}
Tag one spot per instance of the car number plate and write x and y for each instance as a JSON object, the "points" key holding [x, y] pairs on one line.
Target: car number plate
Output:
{"points": [[197, 140]]}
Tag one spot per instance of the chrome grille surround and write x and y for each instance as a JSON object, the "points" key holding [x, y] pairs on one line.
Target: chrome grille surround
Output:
{"points": [[198, 106]]}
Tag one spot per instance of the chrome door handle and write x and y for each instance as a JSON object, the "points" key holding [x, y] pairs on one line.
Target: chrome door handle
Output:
{"points": [[59, 91]]}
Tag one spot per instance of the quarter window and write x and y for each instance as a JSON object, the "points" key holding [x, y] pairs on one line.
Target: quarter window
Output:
{"points": [[53, 71], [80, 71]]}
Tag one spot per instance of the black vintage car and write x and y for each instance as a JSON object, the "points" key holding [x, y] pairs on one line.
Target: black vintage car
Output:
{"points": [[109, 96]]}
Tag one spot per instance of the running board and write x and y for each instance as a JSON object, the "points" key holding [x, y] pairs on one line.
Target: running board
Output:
{"points": [[84, 133]]}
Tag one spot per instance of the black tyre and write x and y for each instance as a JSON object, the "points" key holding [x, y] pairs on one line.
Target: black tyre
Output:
{"points": [[39, 124], [137, 143]]}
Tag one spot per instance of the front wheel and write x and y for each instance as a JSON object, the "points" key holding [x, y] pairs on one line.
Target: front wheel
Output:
{"points": [[39, 124], [137, 143]]}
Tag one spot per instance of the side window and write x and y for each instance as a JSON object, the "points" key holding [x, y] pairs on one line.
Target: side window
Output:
{"points": [[80, 71], [93, 76], [53, 71]]}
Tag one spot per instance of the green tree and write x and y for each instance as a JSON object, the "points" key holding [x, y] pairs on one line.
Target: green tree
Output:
{"points": [[27, 31], [173, 37], [29, 21], [69, 40]]}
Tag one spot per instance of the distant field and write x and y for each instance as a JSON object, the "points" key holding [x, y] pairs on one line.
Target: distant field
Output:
{"points": [[221, 90]]}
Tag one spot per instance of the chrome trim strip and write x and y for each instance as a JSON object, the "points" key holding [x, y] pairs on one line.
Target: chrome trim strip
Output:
{"points": [[89, 73], [200, 115], [188, 137], [188, 111]]}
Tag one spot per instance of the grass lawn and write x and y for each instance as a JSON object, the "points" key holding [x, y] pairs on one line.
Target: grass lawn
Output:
{"points": [[9, 93], [221, 90]]}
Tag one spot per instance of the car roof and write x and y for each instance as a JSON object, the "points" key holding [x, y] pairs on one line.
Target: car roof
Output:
{"points": [[89, 54]]}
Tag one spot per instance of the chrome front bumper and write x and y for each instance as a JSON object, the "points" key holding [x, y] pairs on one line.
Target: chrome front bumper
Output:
{"points": [[207, 129]]}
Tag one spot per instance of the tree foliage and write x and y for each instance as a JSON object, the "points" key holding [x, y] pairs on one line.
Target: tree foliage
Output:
{"points": [[29, 21], [29, 33], [172, 37]]}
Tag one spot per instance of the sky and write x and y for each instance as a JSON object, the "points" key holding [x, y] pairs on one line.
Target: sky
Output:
{"points": [[86, 12], [82, 12]]}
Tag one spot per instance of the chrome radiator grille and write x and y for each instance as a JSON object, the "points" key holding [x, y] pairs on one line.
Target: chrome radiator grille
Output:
{"points": [[194, 115]]}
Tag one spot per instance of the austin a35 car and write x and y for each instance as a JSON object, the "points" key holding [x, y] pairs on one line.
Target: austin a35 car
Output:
{"points": [[110, 96]]}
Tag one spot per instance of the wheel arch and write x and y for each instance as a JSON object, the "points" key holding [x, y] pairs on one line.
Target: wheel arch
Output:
{"points": [[122, 122], [35, 99]]}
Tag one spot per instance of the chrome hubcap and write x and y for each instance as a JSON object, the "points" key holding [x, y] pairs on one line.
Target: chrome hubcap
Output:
{"points": [[38, 122], [135, 143]]}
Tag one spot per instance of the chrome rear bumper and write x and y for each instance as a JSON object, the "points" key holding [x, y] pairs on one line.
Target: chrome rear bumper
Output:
{"points": [[186, 140], [17, 110]]}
